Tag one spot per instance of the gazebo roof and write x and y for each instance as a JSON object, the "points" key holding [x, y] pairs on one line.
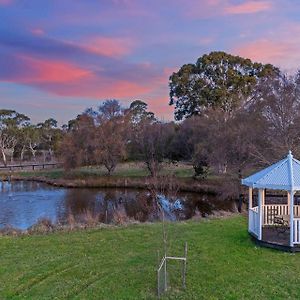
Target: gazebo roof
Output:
{"points": [[283, 175]]}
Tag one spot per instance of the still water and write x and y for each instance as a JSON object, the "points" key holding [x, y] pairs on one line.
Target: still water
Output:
{"points": [[23, 203]]}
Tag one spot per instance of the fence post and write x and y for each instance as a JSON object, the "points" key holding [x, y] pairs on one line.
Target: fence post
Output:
{"points": [[184, 266], [166, 284]]}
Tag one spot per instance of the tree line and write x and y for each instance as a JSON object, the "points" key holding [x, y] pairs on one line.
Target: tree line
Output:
{"points": [[21, 140], [231, 114]]}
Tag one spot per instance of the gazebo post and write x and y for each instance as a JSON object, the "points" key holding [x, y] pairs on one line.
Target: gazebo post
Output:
{"points": [[250, 197], [291, 218], [250, 206], [291, 174], [260, 212]]}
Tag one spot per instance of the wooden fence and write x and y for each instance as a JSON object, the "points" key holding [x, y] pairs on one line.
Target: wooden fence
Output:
{"points": [[34, 166]]}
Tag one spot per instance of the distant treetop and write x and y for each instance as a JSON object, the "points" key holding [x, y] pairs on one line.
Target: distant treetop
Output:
{"points": [[216, 80]]}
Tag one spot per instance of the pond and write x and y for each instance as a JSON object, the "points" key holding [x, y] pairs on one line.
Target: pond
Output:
{"points": [[23, 203]]}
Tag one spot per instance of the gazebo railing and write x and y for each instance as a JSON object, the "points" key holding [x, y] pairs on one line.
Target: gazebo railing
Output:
{"points": [[296, 236], [268, 218], [254, 220], [271, 210]]}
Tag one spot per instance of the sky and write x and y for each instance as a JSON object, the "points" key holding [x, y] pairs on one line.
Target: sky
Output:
{"points": [[59, 57]]}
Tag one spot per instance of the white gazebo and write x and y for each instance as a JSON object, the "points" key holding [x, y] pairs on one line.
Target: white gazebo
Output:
{"points": [[265, 218]]}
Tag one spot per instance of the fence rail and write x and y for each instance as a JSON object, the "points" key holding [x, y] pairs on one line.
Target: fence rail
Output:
{"points": [[30, 166]]}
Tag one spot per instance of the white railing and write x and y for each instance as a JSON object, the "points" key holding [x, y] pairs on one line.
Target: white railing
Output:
{"points": [[254, 220], [296, 211], [271, 210], [296, 235]]}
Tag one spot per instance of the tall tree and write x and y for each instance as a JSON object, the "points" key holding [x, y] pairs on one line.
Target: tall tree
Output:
{"points": [[77, 146], [152, 144], [51, 136], [110, 109], [111, 135], [277, 102], [138, 110], [217, 80]]}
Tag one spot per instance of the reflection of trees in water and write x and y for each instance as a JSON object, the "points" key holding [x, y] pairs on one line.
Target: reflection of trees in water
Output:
{"points": [[78, 202], [204, 204], [25, 202], [117, 205], [107, 205], [140, 207]]}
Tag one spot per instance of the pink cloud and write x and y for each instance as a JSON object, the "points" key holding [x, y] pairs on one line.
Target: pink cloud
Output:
{"points": [[206, 40], [201, 9], [281, 48], [6, 2], [53, 71], [109, 46], [37, 31], [264, 50], [210, 8], [248, 7], [160, 106], [66, 79], [98, 87]]}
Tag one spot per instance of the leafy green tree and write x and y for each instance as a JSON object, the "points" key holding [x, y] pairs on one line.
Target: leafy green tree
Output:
{"points": [[217, 80]]}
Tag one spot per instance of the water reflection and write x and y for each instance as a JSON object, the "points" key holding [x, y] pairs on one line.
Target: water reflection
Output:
{"points": [[22, 203]]}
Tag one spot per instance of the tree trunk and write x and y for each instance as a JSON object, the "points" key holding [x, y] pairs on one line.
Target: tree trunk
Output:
{"points": [[22, 153], [4, 157], [33, 151]]}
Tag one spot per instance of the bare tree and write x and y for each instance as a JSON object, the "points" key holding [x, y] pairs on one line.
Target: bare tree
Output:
{"points": [[151, 144], [278, 105], [110, 143]]}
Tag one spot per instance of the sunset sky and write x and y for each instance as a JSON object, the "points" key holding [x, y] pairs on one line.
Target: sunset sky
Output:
{"points": [[58, 57]]}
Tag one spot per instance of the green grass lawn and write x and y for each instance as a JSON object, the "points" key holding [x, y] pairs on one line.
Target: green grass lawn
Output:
{"points": [[120, 263]]}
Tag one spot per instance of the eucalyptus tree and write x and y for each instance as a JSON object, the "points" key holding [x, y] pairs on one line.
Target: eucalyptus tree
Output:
{"points": [[217, 80], [10, 124], [50, 137], [32, 139]]}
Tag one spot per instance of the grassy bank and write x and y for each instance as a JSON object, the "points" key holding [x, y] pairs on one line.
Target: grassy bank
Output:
{"points": [[132, 170], [119, 263], [131, 175]]}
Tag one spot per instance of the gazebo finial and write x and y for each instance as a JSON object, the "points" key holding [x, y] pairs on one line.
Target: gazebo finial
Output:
{"points": [[290, 153]]}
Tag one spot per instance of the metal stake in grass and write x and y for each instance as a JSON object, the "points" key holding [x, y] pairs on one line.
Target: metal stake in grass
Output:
{"points": [[162, 265]]}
